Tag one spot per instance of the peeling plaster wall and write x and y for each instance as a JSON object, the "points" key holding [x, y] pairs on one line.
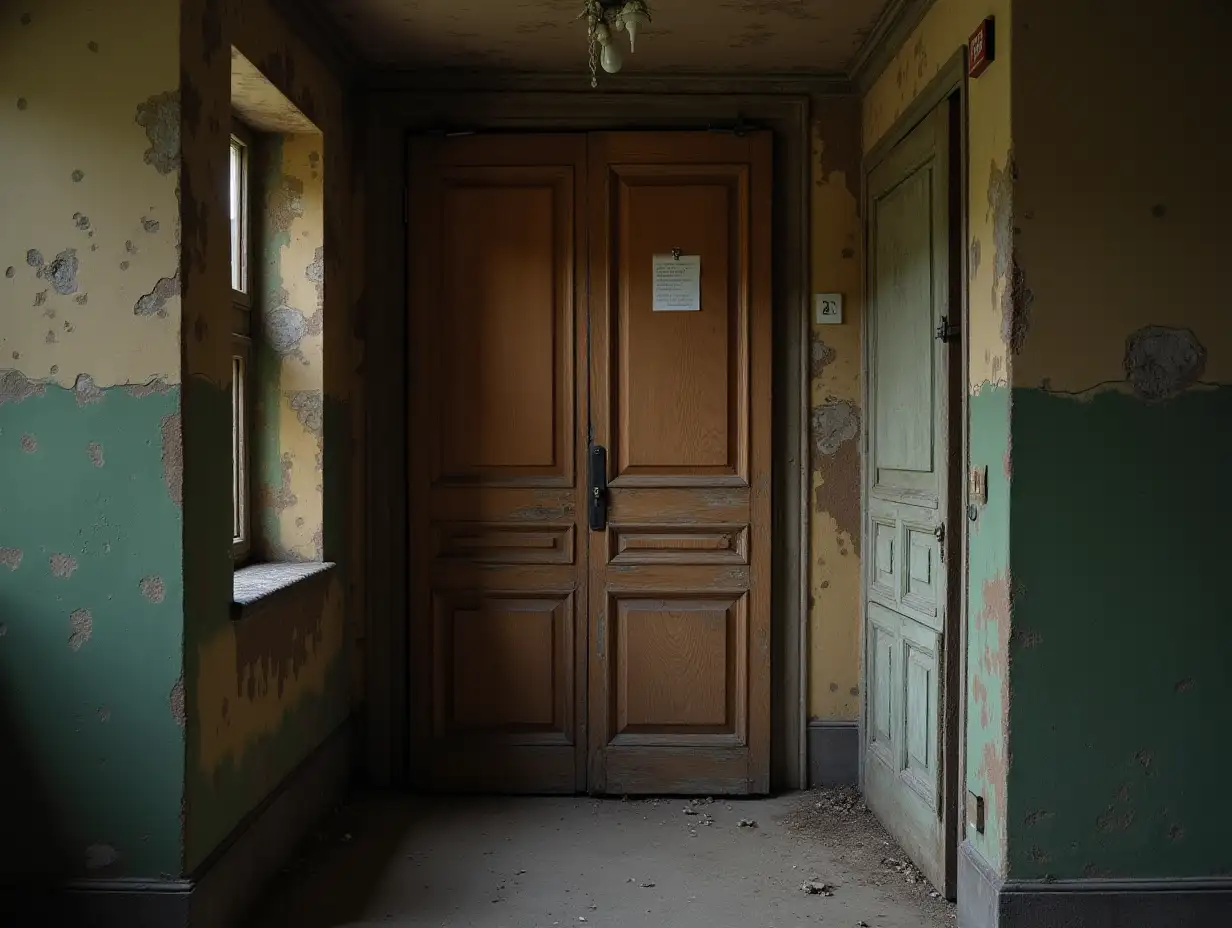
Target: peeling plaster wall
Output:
{"points": [[264, 691], [1122, 397], [835, 401], [290, 366], [91, 459], [994, 288]]}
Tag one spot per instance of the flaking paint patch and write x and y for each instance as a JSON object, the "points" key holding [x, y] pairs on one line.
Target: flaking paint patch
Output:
{"points": [[279, 498], [61, 273], [176, 701], [153, 589], [838, 492], [16, 387], [29, 444], [86, 390], [80, 628], [95, 452], [62, 565], [309, 409], [142, 390], [820, 355], [11, 558], [154, 303], [1161, 361], [832, 424], [159, 116], [173, 457]]}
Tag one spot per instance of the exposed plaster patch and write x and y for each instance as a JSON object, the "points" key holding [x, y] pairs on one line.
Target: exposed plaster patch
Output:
{"points": [[150, 225], [1039, 815], [318, 543], [95, 451], [142, 390], [80, 628], [86, 390], [78, 176], [173, 458], [11, 557], [821, 354], [16, 387], [124, 265], [10, 272], [159, 116], [316, 273], [100, 856], [279, 498], [81, 221], [154, 303], [153, 589], [81, 299], [29, 444], [34, 258], [838, 492], [285, 327], [285, 203], [62, 565], [50, 337], [309, 409], [1015, 296], [61, 273], [130, 247], [1161, 362], [833, 423], [177, 703]]}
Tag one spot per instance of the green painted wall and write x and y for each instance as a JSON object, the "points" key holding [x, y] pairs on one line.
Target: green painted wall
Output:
{"points": [[1122, 636], [988, 624], [90, 631]]}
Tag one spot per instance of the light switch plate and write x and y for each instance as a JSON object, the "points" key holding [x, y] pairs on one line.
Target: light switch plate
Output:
{"points": [[827, 308]]}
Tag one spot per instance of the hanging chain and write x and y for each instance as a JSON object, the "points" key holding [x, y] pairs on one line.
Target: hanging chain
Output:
{"points": [[593, 41]]}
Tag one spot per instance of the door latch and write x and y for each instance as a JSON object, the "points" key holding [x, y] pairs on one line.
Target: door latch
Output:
{"points": [[597, 503], [947, 331], [939, 534]]}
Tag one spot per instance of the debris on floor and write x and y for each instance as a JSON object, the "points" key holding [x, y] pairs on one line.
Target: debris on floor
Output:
{"points": [[817, 888], [746, 823]]}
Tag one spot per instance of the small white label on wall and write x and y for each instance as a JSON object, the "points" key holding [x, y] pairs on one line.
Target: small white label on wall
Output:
{"points": [[827, 308], [677, 284]]}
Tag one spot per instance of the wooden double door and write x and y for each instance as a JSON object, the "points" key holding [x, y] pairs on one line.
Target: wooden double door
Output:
{"points": [[590, 327]]}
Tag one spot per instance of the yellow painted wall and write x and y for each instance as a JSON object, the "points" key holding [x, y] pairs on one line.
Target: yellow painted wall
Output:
{"points": [[835, 404], [108, 202]]}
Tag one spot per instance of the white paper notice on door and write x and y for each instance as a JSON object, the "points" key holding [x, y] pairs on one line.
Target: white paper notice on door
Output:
{"points": [[677, 284]]}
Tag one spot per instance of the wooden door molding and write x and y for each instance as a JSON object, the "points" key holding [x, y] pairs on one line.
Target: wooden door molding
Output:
{"points": [[393, 116]]}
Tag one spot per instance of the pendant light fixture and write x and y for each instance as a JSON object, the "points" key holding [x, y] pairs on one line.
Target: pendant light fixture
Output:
{"points": [[604, 18]]}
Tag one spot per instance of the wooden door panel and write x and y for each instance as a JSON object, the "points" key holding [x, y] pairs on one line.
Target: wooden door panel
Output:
{"points": [[679, 588], [678, 378], [498, 574], [906, 578], [502, 371]]}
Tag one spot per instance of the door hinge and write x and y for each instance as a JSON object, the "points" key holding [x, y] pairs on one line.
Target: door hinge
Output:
{"points": [[947, 330], [939, 534]]}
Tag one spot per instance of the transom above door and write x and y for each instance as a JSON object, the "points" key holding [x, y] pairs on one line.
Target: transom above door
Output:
{"points": [[590, 462]]}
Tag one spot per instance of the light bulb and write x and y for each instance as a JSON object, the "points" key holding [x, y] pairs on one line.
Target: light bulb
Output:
{"points": [[633, 16], [611, 59]]}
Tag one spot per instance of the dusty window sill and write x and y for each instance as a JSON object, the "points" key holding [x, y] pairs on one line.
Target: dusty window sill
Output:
{"points": [[259, 586]]}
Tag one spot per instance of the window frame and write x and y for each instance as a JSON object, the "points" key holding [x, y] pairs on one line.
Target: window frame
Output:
{"points": [[242, 349]]}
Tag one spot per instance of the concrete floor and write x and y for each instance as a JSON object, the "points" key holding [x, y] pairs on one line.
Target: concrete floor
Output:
{"points": [[540, 862]]}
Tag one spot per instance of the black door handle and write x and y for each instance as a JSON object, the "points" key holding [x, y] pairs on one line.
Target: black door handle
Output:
{"points": [[597, 503]]}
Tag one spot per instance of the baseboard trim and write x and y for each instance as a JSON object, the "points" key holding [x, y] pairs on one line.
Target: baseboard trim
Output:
{"points": [[984, 901], [833, 754], [231, 880]]}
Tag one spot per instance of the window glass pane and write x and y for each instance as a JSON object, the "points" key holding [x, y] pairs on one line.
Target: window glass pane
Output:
{"points": [[237, 216]]}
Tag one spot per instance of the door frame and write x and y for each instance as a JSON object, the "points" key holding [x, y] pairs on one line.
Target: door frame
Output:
{"points": [[948, 87], [409, 105]]}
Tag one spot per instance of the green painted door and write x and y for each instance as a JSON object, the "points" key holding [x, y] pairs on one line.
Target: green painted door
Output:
{"points": [[906, 494]]}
